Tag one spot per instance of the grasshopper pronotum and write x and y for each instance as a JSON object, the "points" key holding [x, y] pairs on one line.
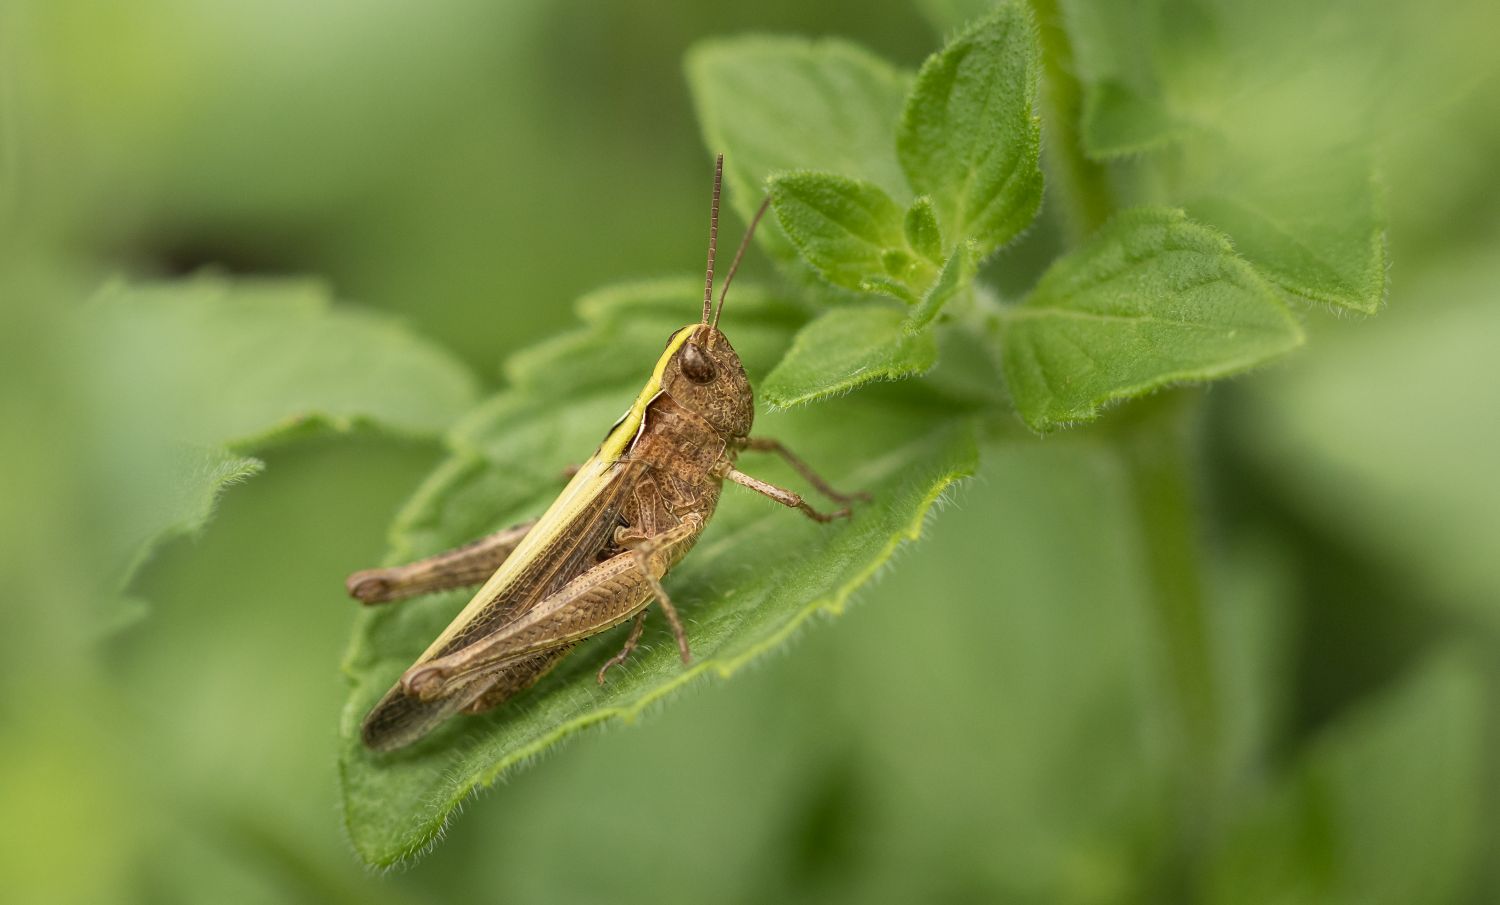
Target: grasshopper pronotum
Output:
{"points": [[596, 557]]}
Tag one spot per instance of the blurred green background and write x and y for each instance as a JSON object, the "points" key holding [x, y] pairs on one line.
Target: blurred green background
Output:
{"points": [[984, 726]]}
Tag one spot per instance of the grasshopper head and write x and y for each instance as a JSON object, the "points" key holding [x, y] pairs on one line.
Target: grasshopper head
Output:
{"points": [[706, 377], [704, 374]]}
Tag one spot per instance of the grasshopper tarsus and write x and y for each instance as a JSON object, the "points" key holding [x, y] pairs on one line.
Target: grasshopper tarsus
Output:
{"points": [[370, 587], [825, 517]]}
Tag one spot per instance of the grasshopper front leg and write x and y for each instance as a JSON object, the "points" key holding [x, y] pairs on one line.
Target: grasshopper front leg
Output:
{"points": [[766, 444], [460, 567], [599, 599], [787, 498]]}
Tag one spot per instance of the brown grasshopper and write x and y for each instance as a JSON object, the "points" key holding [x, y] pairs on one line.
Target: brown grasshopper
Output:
{"points": [[596, 557]]}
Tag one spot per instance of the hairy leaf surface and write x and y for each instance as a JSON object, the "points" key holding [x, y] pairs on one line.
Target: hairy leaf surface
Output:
{"points": [[970, 137], [847, 347], [850, 231], [1153, 299]]}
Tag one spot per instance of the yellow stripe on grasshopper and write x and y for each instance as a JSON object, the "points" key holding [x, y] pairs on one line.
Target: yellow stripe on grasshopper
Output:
{"points": [[585, 484]]}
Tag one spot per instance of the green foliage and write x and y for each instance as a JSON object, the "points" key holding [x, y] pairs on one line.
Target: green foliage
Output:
{"points": [[953, 279], [1345, 465], [967, 144], [844, 348], [219, 368], [923, 235], [1316, 230], [1152, 299], [969, 137], [245, 363], [1131, 104], [178, 498], [1298, 204], [1184, 83], [851, 232], [754, 579], [780, 104]]}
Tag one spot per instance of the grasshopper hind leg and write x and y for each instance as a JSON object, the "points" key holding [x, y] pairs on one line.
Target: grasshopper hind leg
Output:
{"points": [[399, 719], [461, 567], [601, 598], [516, 678]]}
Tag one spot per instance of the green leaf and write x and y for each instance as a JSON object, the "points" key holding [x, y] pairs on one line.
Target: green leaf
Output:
{"points": [[188, 375], [1278, 164], [1381, 809], [758, 575], [955, 276], [923, 235], [850, 231], [775, 104], [845, 348], [1316, 231], [179, 498], [1129, 105], [969, 136], [242, 363], [1118, 121], [1152, 299]]}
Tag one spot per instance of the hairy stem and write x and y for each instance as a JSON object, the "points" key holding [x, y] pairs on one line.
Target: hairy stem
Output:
{"points": [[1082, 184]]}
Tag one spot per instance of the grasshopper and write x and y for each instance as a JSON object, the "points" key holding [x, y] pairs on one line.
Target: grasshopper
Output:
{"points": [[595, 559]]}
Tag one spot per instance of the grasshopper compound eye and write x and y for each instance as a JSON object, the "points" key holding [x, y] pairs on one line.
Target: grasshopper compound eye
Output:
{"points": [[696, 365]]}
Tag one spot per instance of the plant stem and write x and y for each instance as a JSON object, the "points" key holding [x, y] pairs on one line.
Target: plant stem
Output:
{"points": [[1157, 443], [1161, 470], [1082, 184]]}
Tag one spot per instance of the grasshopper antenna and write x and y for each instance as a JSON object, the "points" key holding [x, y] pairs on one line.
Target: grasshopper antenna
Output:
{"points": [[735, 265], [713, 240]]}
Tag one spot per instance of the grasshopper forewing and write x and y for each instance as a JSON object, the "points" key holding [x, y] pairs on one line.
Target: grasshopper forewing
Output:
{"points": [[596, 557]]}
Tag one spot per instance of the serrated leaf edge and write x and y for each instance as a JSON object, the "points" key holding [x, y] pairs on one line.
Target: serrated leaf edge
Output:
{"points": [[1296, 335], [848, 382]]}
